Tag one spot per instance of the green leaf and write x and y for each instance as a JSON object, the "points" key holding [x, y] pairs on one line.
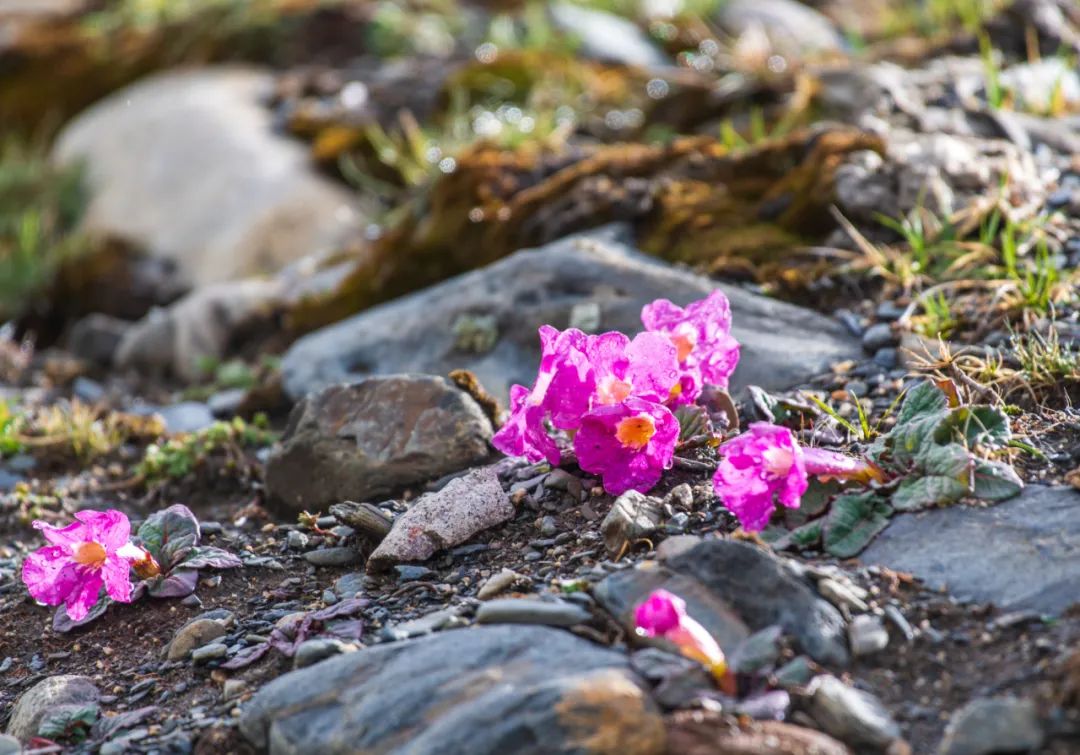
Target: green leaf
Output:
{"points": [[208, 557], [922, 401], [907, 441], [995, 481], [975, 426], [854, 520], [950, 460], [64, 623], [800, 538], [69, 722], [917, 493], [170, 535], [693, 422], [814, 502]]}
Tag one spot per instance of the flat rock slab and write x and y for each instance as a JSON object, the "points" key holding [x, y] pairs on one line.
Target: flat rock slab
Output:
{"points": [[353, 442], [443, 519], [487, 320], [509, 689], [188, 166], [1022, 554]]}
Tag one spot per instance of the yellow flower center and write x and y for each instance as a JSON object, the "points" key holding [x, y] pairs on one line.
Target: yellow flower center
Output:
{"points": [[611, 390], [777, 461], [684, 344], [89, 554], [676, 391], [635, 432]]}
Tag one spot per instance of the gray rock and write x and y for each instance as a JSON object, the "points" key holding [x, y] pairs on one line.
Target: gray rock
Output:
{"points": [[349, 585], [1021, 554], [232, 689], [1035, 85], [632, 517], [370, 521], [553, 613], [194, 634], [781, 344], [186, 416], [177, 339], [210, 652], [338, 556], [763, 591], [445, 518], [620, 594], [876, 336], [9, 745], [311, 652], [990, 725], [793, 29], [96, 338], [45, 696], [372, 437], [854, 717], [446, 618], [867, 635], [508, 689], [607, 37], [188, 166], [497, 583]]}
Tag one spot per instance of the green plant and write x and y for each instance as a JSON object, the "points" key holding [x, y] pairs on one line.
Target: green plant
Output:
{"points": [[937, 320], [178, 457], [40, 206], [996, 94]]}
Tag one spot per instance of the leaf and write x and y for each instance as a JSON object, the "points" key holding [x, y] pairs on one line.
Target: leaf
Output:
{"points": [[209, 557], [800, 538], [814, 502], [973, 426], [169, 535], [693, 422], [922, 401], [69, 722], [917, 493], [179, 584], [995, 481], [950, 460], [854, 520], [107, 726], [247, 656], [64, 623]]}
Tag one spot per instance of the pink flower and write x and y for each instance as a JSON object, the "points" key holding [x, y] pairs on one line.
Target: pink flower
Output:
{"points": [[701, 333], [562, 394], [762, 464], [646, 367], [628, 444], [822, 463], [663, 614], [93, 551]]}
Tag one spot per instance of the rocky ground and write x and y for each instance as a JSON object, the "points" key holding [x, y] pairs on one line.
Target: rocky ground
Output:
{"points": [[280, 262]]}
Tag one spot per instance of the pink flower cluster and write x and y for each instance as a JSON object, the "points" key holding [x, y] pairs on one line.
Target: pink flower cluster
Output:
{"points": [[93, 551], [766, 464], [614, 395]]}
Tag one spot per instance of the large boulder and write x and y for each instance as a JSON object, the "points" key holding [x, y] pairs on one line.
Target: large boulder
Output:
{"points": [[187, 166], [484, 691], [1021, 554], [486, 320], [371, 437]]}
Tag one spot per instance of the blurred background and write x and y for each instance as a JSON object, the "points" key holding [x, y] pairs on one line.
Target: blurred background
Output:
{"points": [[285, 163]]}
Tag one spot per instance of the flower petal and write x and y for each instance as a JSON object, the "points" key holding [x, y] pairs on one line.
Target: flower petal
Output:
{"points": [[50, 575], [116, 574], [81, 599], [110, 528], [68, 537]]}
